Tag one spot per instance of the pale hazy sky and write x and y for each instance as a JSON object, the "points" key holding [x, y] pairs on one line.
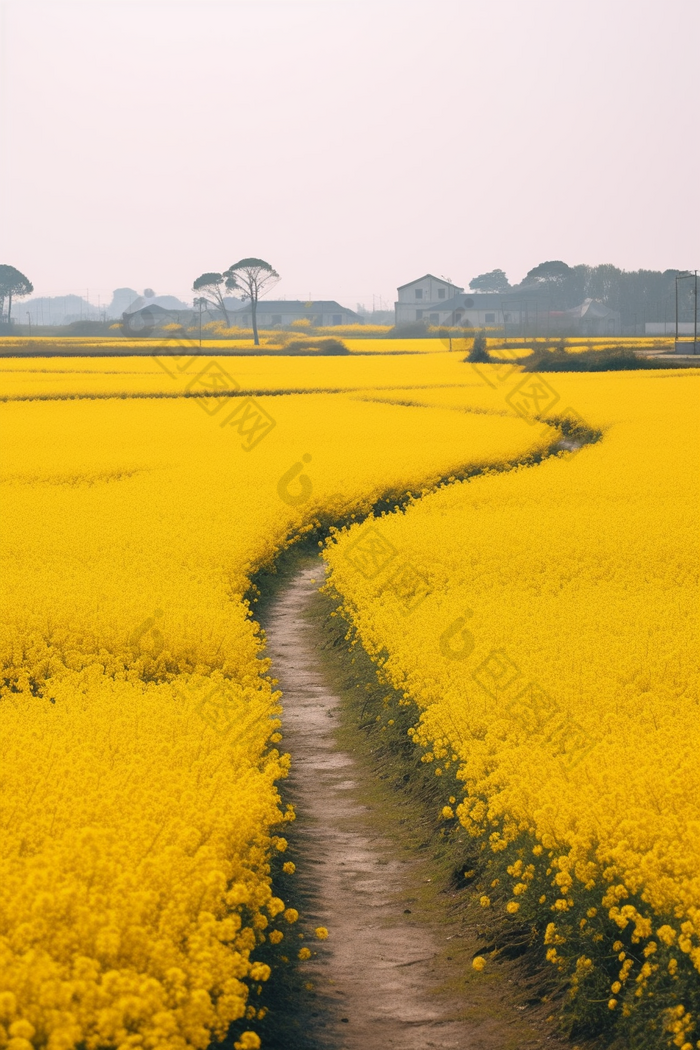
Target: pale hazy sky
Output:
{"points": [[355, 145]]}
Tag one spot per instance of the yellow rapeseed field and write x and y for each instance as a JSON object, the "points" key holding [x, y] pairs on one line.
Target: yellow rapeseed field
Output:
{"points": [[140, 812], [539, 620]]}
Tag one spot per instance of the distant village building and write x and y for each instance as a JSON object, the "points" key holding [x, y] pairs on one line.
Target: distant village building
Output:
{"points": [[280, 313], [439, 302], [520, 312], [590, 318], [144, 319], [275, 313], [528, 313], [417, 298]]}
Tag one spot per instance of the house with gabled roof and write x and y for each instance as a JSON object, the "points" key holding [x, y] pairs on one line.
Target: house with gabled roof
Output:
{"points": [[417, 298], [437, 301]]}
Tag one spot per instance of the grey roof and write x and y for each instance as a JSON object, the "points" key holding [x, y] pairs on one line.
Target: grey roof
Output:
{"points": [[591, 310], [297, 306], [464, 301], [156, 310], [167, 303], [434, 278]]}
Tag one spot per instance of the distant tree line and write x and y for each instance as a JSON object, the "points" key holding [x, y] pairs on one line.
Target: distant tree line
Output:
{"points": [[638, 295]]}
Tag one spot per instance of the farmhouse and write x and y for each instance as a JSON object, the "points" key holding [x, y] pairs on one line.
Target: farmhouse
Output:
{"points": [[439, 302], [418, 298], [279, 313], [144, 319]]}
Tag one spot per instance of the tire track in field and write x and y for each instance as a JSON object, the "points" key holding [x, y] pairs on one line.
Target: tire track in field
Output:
{"points": [[198, 395]]}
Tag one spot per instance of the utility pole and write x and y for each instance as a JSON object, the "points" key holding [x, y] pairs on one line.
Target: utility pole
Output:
{"points": [[694, 277]]}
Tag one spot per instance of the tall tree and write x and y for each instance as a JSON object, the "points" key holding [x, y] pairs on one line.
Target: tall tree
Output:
{"points": [[13, 284], [493, 281], [554, 281], [254, 277], [210, 285], [548, 273]]}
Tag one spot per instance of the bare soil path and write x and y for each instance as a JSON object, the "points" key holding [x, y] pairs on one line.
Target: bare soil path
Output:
{"points": [[377, 980]]}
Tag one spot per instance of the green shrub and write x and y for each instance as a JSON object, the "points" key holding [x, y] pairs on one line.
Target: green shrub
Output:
{"points": [[479, 352], [87, 328], [411, 330], [310, 345], [611, 359]]}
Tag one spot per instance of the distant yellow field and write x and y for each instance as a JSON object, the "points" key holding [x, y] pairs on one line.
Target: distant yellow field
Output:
{"points": [[359, 339], [188, 373]]}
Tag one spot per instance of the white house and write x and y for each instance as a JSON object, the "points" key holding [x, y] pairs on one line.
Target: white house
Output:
{"points": [[418, 298], [439, 302]]}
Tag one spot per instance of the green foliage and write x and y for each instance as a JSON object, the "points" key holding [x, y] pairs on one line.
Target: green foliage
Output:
{"points": [[250, 264], [254, 277], [211, 283], [612, 359], [411, 330], [553, 272], [208, 281], [479, 353], [88, 328], [13, 285], [493, 281], [638, 295], [306, 344]]}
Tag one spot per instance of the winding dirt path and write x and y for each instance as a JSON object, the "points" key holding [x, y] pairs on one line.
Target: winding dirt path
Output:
{"points": [[375, 976]]}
